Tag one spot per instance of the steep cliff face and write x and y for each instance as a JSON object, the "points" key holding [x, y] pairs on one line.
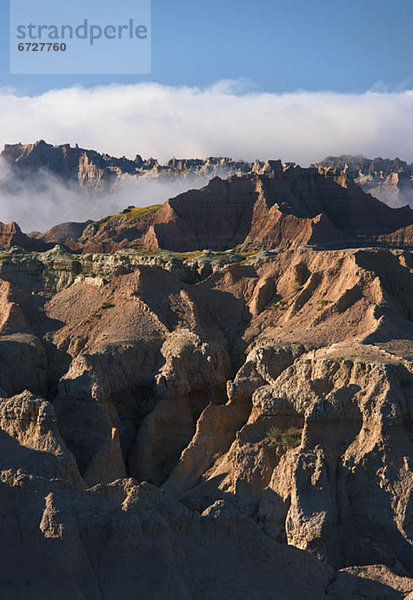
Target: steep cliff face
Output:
{"points": [[280, 206], [101, 171], [12, 235], [391, 181], [217, 217], [268, 403], [87, 167], [312, 455], [235, 422]]}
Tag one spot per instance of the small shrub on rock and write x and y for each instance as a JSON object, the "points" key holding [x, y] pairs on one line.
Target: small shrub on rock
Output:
{"points": [[289, 438]]}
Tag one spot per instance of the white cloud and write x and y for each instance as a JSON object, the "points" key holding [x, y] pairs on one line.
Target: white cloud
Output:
{"points": [[161, 121], [227, 119]]}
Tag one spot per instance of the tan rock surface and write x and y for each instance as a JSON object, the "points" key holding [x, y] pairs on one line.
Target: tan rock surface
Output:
{"points": [[279, 206], [272, 400]]}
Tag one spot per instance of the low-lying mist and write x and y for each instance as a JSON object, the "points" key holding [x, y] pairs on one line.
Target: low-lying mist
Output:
{"points": [[392, 196], [41, 200]]}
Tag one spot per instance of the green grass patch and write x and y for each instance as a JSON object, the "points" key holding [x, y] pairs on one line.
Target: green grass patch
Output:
{"points": [[248, 254], [186, 255], [322, 303], [129, 214], [136, 247]]}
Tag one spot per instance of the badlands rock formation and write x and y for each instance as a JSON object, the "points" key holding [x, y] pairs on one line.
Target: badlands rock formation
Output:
{"points": [[212, 398], [101, 171], [210, 425], [278, 206], [391, 181], [11, 235]]}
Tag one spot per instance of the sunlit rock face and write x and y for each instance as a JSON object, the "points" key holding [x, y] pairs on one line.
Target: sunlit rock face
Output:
{"points": [[190, 424]]}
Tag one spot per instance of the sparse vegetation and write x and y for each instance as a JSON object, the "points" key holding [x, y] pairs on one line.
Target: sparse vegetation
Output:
{"points": [[107, 305], [289, 438], [145, 252], [323, 303], [246, 256], [277, 301], [129, 214], [186, 255], [249, 254]]}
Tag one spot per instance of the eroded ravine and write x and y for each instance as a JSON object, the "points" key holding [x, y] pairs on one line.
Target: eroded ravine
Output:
{"points": [[273, 398]]}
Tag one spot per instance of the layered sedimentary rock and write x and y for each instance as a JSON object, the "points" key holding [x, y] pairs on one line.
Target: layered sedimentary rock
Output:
{"points": [[101, 171], [219, 407], [280, 206], [87, 167], [61, 232], [208, 426], [12, 235], [391, 181], [251, 205]]}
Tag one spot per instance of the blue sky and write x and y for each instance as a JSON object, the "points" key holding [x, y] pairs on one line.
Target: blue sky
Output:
{"points": [[296, 80], [291, 79], [277, 45]]}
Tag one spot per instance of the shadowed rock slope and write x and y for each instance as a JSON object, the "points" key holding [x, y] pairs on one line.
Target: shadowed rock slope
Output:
{"points": [[279, 206], [391, 181], [12, 235], [207, 426], [102, 171], [259, 206]]}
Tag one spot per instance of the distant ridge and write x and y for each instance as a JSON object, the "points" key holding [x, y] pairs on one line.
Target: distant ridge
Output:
{"points": [[279, 206], [247, 205], [100, 171], [389, 180]]}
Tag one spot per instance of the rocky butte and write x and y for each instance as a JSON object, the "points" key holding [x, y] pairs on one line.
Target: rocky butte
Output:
{"points": [[102, 171], [389, 180], [212, 398], [275, 206]]}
